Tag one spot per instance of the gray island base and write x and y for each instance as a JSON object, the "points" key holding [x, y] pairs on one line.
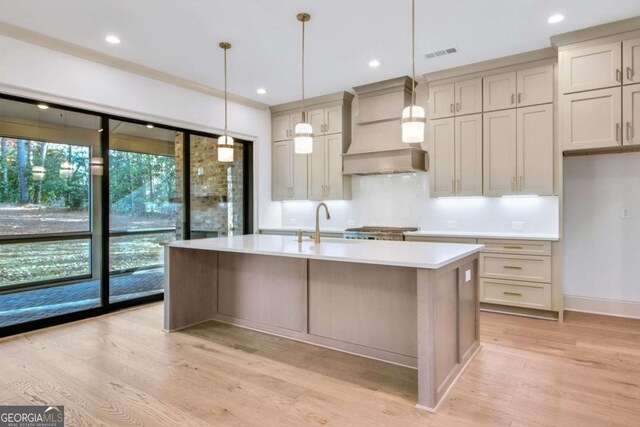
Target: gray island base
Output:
{"points": [[408, 303]]}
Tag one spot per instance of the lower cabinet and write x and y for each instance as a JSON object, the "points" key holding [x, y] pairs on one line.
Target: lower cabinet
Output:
{"points": [[289, 172], [516, 293]]}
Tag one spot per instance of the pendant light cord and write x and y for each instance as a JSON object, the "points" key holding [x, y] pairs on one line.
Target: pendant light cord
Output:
{"points": [[413, 54], [225, 94], [302, 115]]}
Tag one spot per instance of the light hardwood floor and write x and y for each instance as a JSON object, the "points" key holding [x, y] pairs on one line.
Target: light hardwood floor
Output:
{"points": [[121, 369]]}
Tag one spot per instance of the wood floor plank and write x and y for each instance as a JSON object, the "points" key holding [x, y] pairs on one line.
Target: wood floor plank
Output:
{"points": [[122, 369]]}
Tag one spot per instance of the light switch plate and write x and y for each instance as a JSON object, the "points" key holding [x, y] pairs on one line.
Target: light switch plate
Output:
{"points": [[467, 276], [452, 224], [200, 171], [517, 225]]}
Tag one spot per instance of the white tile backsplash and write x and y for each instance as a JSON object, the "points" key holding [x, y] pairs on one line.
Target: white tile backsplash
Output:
{"points": [[403, 200]]}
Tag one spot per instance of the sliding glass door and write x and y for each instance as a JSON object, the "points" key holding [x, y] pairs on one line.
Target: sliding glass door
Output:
{"points": [[144, 209]]}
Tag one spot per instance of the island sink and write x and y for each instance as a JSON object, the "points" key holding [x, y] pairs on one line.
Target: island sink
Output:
{"points": [[408, 303]]}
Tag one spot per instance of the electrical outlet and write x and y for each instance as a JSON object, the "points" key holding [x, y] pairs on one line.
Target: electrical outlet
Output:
{"points": [[200, 171], [625, 213], [517, 225], [467, 276], [452, 224]]}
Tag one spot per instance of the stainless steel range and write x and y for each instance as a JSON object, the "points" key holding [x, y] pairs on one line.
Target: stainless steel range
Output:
{"points": [[377, 233]]}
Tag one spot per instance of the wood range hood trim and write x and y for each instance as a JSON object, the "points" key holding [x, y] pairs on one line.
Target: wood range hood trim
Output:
{"points": [[377, 146]]}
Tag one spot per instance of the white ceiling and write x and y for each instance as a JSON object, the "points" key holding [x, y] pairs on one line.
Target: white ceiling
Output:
{"points": [[181, 37]]}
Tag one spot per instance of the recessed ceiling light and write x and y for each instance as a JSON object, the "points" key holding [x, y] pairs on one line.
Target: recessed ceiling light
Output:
{"points": [[261, 91], [150, 126], [374, 63], [554, 19], [112, 39], [43, 106]]}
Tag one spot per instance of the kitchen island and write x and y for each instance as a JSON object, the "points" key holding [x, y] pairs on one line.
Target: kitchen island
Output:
{"points": [[409, 303]]}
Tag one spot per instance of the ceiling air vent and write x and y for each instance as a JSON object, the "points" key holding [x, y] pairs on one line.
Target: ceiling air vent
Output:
{"points": [[441, 52]]}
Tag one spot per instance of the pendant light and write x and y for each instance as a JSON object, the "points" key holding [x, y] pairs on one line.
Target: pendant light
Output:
{"points": [[413, 118], [225, 142], [303, 134]]}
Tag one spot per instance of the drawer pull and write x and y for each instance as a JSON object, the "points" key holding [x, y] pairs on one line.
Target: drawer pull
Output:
{"points": [[516, 294], [513, 247], [512, 267]]}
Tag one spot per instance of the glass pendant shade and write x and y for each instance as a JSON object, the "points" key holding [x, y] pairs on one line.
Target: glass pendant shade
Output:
{"points": [[413, 120], [303, 138], [225, 149], [37, 173], [66, 169]]}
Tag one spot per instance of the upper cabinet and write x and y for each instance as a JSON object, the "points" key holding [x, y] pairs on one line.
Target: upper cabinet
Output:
{"points": [[592, 119], [631, 115], [455, 99], [283, 126], [316, 176], [456, 156], [631, 60], [591, 67], [522, 88]]}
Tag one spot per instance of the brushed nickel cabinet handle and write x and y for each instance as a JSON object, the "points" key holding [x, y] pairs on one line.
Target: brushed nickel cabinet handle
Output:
{"points": [[629, 130], [618, 75], [618, 132], [629, 73], [519, 97], [512, 267], [452, 108], [513, 98], [457, 106], [517, 294], [512, 247]]}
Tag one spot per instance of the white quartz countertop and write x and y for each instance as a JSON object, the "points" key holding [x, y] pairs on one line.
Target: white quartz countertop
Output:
{"points": [[401, 254]]}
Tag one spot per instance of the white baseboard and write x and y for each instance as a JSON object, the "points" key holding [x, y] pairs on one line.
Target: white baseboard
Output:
{"points": [[609, 307]]}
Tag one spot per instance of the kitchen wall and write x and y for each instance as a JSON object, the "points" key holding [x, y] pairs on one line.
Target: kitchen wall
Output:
{"points": [[48, 75], [403, 200], [601, 248]]}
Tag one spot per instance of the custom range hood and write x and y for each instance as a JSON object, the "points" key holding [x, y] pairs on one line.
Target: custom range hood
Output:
{"points": [[377, 146]]}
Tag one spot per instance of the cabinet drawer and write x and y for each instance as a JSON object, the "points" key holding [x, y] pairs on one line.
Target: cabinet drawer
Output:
{"points": [[516, 267], [521, 247], [518, 294]]}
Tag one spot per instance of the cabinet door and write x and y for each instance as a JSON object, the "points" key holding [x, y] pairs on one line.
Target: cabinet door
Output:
{"points": [[499, 92], [441, 101], [317, 169], [281, 173], [535, 86], [631, 112], [333, 119], [631, 61], [468, 155], [442, 155], [316, 119], [334, 180], [280, 128], [535, 150], [591, 119], [499, 152], [468, 97], [299, 175], [592, 67]]}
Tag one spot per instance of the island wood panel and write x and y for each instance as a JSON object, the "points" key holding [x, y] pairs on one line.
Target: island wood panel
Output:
{"points": [[468, 298], [446, 328], [271, 290], [368, 305], [198, 269]]}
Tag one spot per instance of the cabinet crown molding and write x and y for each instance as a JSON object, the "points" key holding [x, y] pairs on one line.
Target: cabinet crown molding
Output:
{"points": [[383, 87], [336, 98], [599, 31]]}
